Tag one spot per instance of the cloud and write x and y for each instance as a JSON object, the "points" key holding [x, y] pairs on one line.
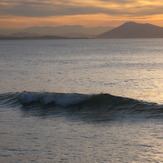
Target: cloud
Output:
{"points": [[119, 1], [45, 8], [41, 9], [89, 13]]}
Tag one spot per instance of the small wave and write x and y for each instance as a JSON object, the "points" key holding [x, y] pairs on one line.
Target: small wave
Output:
{"points": [[101, 106]]}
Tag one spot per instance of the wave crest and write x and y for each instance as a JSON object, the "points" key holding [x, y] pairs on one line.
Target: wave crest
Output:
{"points": [[91, 106], [59, 99]]}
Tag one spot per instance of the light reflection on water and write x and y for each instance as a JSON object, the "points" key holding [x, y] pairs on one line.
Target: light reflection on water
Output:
{"points": [[58, 139], [128, 68]]}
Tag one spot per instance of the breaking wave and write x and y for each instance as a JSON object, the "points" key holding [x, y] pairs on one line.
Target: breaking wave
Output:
{"points": [[92, 106]]}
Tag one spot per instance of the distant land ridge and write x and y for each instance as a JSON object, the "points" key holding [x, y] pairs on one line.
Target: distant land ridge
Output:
{"points": [[126, 30], [134, 30], [69, 31]]}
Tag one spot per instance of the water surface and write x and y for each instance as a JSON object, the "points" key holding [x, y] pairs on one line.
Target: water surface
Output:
{"points": [[81, 100]]}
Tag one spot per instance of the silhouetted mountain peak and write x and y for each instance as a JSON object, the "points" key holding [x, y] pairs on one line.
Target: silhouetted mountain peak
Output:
{"points": [[134, 30], [129, 23]]}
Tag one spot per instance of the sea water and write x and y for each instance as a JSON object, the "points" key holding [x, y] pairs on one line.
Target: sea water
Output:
{"points": [[82, 100]]}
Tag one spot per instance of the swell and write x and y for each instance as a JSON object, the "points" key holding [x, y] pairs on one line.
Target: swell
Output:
{"points": [[96, 106]]}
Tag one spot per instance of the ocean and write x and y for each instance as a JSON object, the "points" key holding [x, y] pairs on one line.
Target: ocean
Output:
{"points": [[81, 100]]}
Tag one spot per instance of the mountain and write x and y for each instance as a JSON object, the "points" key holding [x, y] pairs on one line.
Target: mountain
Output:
{"points": [[73, 31], [134, 30], [68, 31]]}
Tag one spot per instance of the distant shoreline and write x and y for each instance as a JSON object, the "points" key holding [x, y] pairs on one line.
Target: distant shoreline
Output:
{"points": [[38, 37], [67, 38], [128, 30]]}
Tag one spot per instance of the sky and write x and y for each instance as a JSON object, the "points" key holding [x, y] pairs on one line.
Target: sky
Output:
{"points": [[89, 13]]}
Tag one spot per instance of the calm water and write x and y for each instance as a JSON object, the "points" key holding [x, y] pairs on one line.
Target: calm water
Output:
{"points": [[81, 101]]}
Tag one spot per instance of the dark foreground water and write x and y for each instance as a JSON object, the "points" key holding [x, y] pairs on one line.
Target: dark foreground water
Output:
{"points": [[52, 108]]}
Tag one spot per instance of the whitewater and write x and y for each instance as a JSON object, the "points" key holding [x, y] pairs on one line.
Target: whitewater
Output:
{"points": [[77, 101]]}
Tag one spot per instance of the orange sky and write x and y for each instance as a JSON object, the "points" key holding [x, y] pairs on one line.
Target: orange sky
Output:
{"points": [[89, 13]]}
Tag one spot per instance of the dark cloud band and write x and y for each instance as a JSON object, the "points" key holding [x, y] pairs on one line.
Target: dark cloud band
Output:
{"points": [[41, 9]]}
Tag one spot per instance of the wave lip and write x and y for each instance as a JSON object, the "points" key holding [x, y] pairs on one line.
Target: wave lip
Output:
{"points": [[59, 99], [27, 98]]}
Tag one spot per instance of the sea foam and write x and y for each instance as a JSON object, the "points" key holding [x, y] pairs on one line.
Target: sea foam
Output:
{"points": [[59, 99]]}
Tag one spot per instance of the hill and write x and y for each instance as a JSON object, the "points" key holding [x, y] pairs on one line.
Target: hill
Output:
{"points": [[72, 31], [134, 30]]}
